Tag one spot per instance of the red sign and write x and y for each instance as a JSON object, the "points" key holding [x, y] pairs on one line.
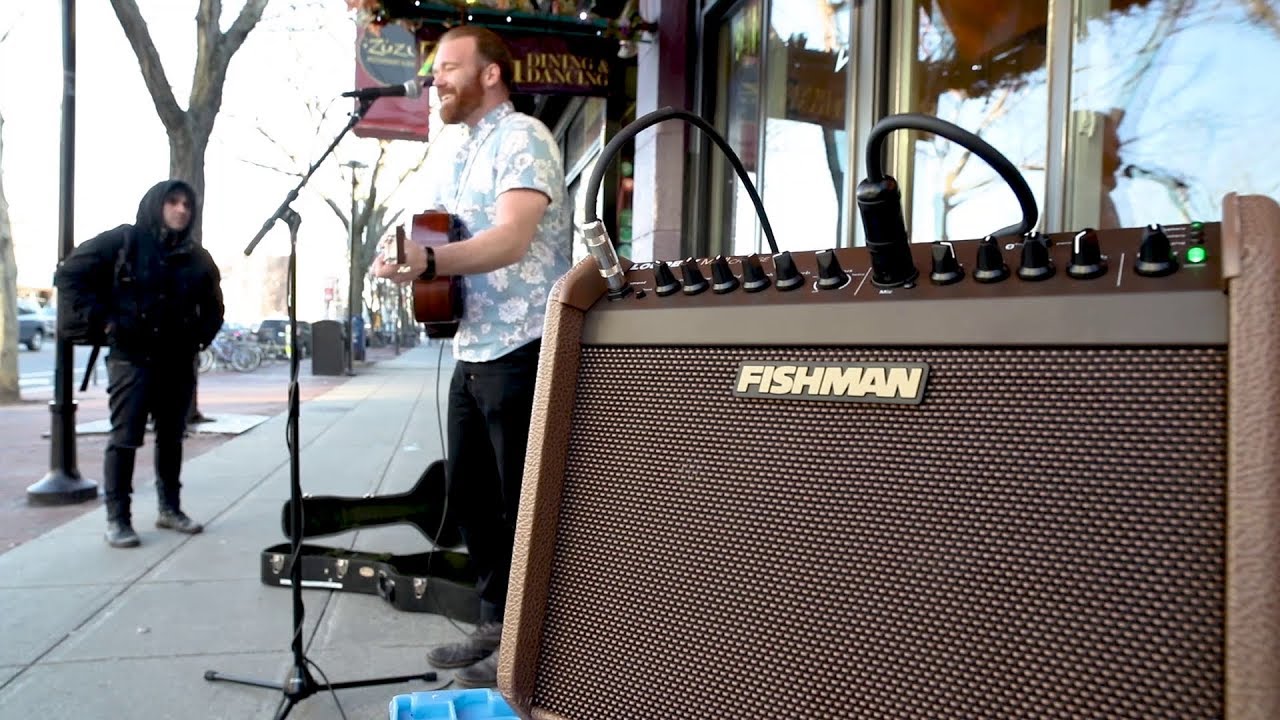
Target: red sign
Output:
{"points": [[390, 57], [544, 63]]}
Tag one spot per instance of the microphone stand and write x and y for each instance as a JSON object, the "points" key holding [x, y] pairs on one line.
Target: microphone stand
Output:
{"points": [[299, 684]]}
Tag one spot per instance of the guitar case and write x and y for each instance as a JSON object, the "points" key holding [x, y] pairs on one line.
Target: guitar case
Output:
{"points": [[440, 582]]}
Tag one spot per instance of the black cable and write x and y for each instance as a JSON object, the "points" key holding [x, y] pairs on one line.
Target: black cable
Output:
{"points": [[332, 692], [975, 144], [611, 149]]}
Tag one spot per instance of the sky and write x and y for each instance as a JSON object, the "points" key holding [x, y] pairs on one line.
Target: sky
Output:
{"points": [[300, 56]]}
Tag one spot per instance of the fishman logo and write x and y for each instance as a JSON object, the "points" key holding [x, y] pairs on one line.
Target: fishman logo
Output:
{"points": [[850, 382]]}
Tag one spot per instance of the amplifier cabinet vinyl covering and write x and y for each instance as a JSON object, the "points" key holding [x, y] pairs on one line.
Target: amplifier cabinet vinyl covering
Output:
{"points": [[1054, 499]]}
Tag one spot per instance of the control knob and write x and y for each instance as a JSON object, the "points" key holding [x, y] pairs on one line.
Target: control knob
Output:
{"points": [[1086, 256], [754, 278], [1036, 263], [694, 282], [722, 279], [990, 267], [785, 274], [946, 267], [664, 281], [1155, 254]]}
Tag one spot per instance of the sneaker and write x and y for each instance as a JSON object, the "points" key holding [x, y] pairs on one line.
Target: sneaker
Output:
{"points": [[479, 675], [120, 534], [480, 644], [178, 520]]}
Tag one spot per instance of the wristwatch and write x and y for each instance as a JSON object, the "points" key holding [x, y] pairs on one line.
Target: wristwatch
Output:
{"points": [[430, 272]]}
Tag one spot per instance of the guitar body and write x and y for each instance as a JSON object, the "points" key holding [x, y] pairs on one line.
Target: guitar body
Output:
{"points": [[437, 303]]}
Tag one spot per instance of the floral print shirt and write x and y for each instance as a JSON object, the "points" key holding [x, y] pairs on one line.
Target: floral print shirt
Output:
{"points": [[505, 309]]}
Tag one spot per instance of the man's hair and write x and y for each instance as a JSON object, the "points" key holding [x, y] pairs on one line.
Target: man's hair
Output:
{"points": [[489, 47]]}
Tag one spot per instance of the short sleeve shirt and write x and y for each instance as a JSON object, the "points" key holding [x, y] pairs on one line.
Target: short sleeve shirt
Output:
{"points": [[505, 309]]}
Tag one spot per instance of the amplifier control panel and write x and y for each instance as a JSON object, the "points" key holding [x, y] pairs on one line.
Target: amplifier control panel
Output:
{"points": [[1122, 285], [1153, 258]]}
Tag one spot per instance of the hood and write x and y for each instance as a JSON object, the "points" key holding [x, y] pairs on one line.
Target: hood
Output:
{"points": [[151, 210]]}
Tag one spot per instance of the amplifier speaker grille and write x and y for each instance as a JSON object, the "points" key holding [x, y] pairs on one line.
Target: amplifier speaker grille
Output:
{"points": [[1042, 537]]}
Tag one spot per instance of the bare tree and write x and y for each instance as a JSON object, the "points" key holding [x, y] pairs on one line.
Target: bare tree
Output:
{"points": [[9, 392], [373, 213], [189, 129], [8, 298]]}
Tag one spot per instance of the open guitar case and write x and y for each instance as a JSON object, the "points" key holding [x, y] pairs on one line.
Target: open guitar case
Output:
{"points": [[440, 582]]}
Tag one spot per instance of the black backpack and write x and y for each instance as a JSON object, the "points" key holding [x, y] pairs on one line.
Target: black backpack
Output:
{"points": [[80, 328]]}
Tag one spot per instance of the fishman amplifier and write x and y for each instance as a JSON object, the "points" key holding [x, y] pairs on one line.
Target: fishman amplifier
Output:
{"points": [[1041, 481]]}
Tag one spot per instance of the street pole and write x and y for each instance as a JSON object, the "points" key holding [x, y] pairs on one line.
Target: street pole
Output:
{"points": [[63, 484], [351, 271]]}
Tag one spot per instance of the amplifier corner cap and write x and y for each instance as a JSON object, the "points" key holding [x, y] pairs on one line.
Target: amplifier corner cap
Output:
{"points": [[1232, 235]]}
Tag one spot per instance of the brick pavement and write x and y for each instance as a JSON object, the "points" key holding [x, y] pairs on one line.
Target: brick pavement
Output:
{"points": [[25, 446]]}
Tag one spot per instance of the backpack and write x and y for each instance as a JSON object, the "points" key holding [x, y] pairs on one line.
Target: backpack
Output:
{"points": [[81, 329]]}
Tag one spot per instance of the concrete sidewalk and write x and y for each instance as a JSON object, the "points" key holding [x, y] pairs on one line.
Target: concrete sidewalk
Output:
{"points": [[94, 632]]}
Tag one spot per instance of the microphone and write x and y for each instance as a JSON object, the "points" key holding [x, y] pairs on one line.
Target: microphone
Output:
{"points": [[411, 89]]}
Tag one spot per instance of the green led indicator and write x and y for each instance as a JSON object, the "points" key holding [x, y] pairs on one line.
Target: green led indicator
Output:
{"points": [[1196, 254], [1197, 226]]}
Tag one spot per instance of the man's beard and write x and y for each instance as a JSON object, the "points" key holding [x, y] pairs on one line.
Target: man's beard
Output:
{"points": [[467, 98]]}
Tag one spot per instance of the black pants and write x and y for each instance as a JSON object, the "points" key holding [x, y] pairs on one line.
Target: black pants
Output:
{"points": [[160, 389], [490, 405]]}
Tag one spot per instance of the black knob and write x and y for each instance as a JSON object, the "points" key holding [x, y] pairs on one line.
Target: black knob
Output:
{"points": [[1155, 254], [830, 274], [722, 279], [785, 274], [1036, 263], [1086, 256], [754, 278], [664, 281], [990, 266], [946, 266], [694, 282]]}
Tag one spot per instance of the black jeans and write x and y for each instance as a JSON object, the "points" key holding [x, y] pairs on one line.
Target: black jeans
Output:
{"points": [[157, 388], [490, 405]]}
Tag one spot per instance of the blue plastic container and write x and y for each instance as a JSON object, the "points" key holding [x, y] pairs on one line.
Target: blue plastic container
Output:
{"points": [[481, 704]]}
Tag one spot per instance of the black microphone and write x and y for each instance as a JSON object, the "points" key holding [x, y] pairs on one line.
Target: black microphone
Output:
{"points": [[411, 89]]}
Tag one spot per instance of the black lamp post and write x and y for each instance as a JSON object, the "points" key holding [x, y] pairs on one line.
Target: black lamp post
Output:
{"points": [[63, 484]]}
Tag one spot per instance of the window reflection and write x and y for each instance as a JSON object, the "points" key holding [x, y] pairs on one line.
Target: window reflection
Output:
{"points": [[979, 64], [739, 112], [800, 169], [1173, 106], [806, 150]]}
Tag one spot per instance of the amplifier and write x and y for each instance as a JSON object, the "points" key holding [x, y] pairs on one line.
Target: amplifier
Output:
{"points": [[1043, 483]]}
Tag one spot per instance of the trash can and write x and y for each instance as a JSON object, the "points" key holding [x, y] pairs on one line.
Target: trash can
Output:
{"points": [[328, 348]]}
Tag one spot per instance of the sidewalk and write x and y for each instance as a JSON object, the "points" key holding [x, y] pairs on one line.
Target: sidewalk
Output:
{"points": [[95, 632]]}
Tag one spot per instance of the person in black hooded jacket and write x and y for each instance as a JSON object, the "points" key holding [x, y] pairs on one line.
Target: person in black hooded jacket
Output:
{"points": [[156, 298]]}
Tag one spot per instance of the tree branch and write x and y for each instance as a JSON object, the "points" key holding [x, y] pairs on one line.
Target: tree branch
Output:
{"points": [[135, 29], [213, 54], [342, 215]]}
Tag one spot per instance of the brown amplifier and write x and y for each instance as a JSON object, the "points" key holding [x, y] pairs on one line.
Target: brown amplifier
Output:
{"points": [[1051, 495]]}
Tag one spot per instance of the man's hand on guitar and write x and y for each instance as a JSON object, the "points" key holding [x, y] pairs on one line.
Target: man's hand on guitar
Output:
{"points": [[413, 264]]}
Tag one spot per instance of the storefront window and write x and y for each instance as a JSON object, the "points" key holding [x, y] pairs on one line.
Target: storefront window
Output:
{"points": [[1173, 106], [806, 146], [803, 84], [738, 113], [979, 64]]}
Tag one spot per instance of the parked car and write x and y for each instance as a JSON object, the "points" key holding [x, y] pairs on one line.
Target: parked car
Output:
{"points": [[277, 330], [35, 324]]}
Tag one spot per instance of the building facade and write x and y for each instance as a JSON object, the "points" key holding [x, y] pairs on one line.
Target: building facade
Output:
{"points": [[1117, 112]]}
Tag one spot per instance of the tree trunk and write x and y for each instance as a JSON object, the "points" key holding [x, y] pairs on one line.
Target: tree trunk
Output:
{"points": [[189, 129], [186, 162], [8, 298]]}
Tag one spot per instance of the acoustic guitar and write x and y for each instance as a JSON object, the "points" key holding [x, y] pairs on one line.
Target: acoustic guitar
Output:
{"points": [[437, 303]]}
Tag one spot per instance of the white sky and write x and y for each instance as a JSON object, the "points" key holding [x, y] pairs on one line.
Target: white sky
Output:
{"points": [[295, 55]]}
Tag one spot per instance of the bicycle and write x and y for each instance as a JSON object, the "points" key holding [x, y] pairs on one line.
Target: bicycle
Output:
{"points": [[240, 356]]}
